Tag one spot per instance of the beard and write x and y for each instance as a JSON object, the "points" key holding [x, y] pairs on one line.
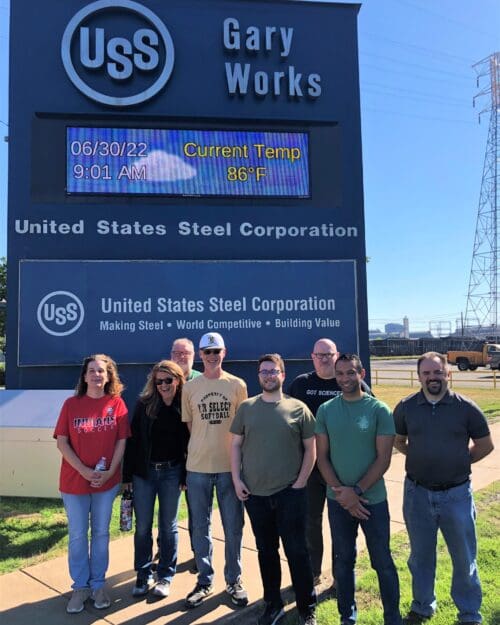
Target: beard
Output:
{"points": [[434, 387], [270, 386]]}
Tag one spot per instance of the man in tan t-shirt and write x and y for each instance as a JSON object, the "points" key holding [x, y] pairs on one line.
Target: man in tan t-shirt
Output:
{"points": [[209, 403]]}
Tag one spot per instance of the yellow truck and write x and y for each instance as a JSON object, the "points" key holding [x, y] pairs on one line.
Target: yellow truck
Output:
{"points": [[488, 355]]}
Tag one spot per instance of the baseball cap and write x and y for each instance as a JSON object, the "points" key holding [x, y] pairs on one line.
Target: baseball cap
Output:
{"points": [[211, 339]]}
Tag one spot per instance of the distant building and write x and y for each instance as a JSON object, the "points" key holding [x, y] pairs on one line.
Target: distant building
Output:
{"points": [[406, 330], [394, 328]]}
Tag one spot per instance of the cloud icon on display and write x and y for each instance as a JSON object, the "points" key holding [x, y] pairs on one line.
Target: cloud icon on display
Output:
{"points": [[164, 167]]}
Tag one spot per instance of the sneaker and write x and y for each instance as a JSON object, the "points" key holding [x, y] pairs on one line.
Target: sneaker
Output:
{"points": [[101, 598], [78, 598], [347, 621], [238, 594], [309, 619], [414, 618], [142, 585], [271, 614], [162, 588], [196, 596]]}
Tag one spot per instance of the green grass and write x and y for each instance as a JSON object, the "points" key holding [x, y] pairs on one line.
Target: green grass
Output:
{"points": [[487, 399], [33, 530], [367, 595]]}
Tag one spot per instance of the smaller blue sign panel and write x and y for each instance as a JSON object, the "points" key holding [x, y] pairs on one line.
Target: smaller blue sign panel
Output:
{"points": [[133, 310], [178, 162]]}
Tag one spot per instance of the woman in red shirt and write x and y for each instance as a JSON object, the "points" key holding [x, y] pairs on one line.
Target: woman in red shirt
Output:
{"points": [[92, 427]]}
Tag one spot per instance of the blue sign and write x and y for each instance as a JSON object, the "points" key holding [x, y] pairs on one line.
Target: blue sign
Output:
{"points": [[69, 309], [179, 167], [186, 162]]}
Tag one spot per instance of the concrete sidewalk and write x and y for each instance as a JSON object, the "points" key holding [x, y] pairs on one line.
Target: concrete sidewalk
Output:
{"points": [[38, 594]]}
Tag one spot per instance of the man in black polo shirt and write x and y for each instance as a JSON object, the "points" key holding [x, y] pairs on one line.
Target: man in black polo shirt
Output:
{"points": [[434, 429]]}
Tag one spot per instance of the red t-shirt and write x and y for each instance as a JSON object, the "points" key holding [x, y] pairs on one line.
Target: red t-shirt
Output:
{"points": [[93, 427]]}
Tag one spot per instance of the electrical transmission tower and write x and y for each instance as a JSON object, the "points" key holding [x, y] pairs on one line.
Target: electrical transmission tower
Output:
{"points": [[481, 316]]}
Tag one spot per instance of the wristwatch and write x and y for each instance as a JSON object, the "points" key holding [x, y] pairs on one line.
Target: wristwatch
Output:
{"points": [[358, 490]]}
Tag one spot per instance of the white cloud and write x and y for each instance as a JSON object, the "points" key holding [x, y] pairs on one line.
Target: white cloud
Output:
{"points": [[162, 166]]}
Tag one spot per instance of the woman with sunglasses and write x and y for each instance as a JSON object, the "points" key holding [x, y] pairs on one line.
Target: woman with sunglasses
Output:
{"points": [[155, 465], [91, 432]]}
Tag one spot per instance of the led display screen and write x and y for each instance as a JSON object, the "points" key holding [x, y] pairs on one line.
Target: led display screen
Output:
{"points": [[180, 162]]}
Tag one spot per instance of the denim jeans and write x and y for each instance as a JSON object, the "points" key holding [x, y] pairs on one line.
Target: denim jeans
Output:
{"points": [[453, 512], [283, 515], [376, 528], [316, 496], [163, 483], [87, 568], [200, 490]]}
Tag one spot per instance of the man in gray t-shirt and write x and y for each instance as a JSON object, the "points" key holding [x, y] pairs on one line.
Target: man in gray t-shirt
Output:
{"points": [[272, 454], [441, 433]]}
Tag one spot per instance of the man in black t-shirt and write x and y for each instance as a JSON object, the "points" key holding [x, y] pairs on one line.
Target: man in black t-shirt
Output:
{"points": [[314, 388]]}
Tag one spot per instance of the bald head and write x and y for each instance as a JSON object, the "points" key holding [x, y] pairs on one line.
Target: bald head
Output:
{"points": [[182, 353], [324, 356]]}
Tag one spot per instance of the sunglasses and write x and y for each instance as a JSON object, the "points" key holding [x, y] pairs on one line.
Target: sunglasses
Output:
{"points": [[212, 351], [161, 381]]}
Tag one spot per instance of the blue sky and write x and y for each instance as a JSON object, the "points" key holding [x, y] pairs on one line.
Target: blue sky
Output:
{"points": [[423, 150]]}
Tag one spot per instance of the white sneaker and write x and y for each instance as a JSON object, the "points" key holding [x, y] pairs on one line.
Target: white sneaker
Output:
{"points": [[162, 588], [77, 601]]}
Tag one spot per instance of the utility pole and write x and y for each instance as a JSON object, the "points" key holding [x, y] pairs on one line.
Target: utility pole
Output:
{"points": [[481, 315]]}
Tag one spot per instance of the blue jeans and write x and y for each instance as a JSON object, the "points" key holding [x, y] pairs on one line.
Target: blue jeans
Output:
{"points": [[283, 515], [200, 490], [453, 512], [163, 482], [87, 568], [376, 529]]}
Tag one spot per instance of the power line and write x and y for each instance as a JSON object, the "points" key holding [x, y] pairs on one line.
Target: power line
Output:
{"points": [[411, 93], [445, 17], [417, 65], [404, 73], [423, 117], [415, 47]]}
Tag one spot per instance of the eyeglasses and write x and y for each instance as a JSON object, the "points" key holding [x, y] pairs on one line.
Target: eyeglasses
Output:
{"points": [[269, 372], [161, 381], [321, 355], [212, 351], [182, 354]]}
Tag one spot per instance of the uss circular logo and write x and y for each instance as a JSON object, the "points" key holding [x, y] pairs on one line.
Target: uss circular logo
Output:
{"points": [[117, 52], [60, 313]]}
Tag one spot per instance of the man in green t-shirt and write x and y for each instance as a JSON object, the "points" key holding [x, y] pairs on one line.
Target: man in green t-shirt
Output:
{"points": [[354, 437], [272, 454]]}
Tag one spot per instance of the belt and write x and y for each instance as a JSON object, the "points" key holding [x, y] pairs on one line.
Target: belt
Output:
{"points": [[168, 464], [436, 487]]}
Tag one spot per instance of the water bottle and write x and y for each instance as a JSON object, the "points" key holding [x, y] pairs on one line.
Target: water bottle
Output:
{"points": [[126, 511], [101, 465]]}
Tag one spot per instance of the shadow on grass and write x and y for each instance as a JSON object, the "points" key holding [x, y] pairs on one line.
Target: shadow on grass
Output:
{"points": [[13, 543], [13, 507]]}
